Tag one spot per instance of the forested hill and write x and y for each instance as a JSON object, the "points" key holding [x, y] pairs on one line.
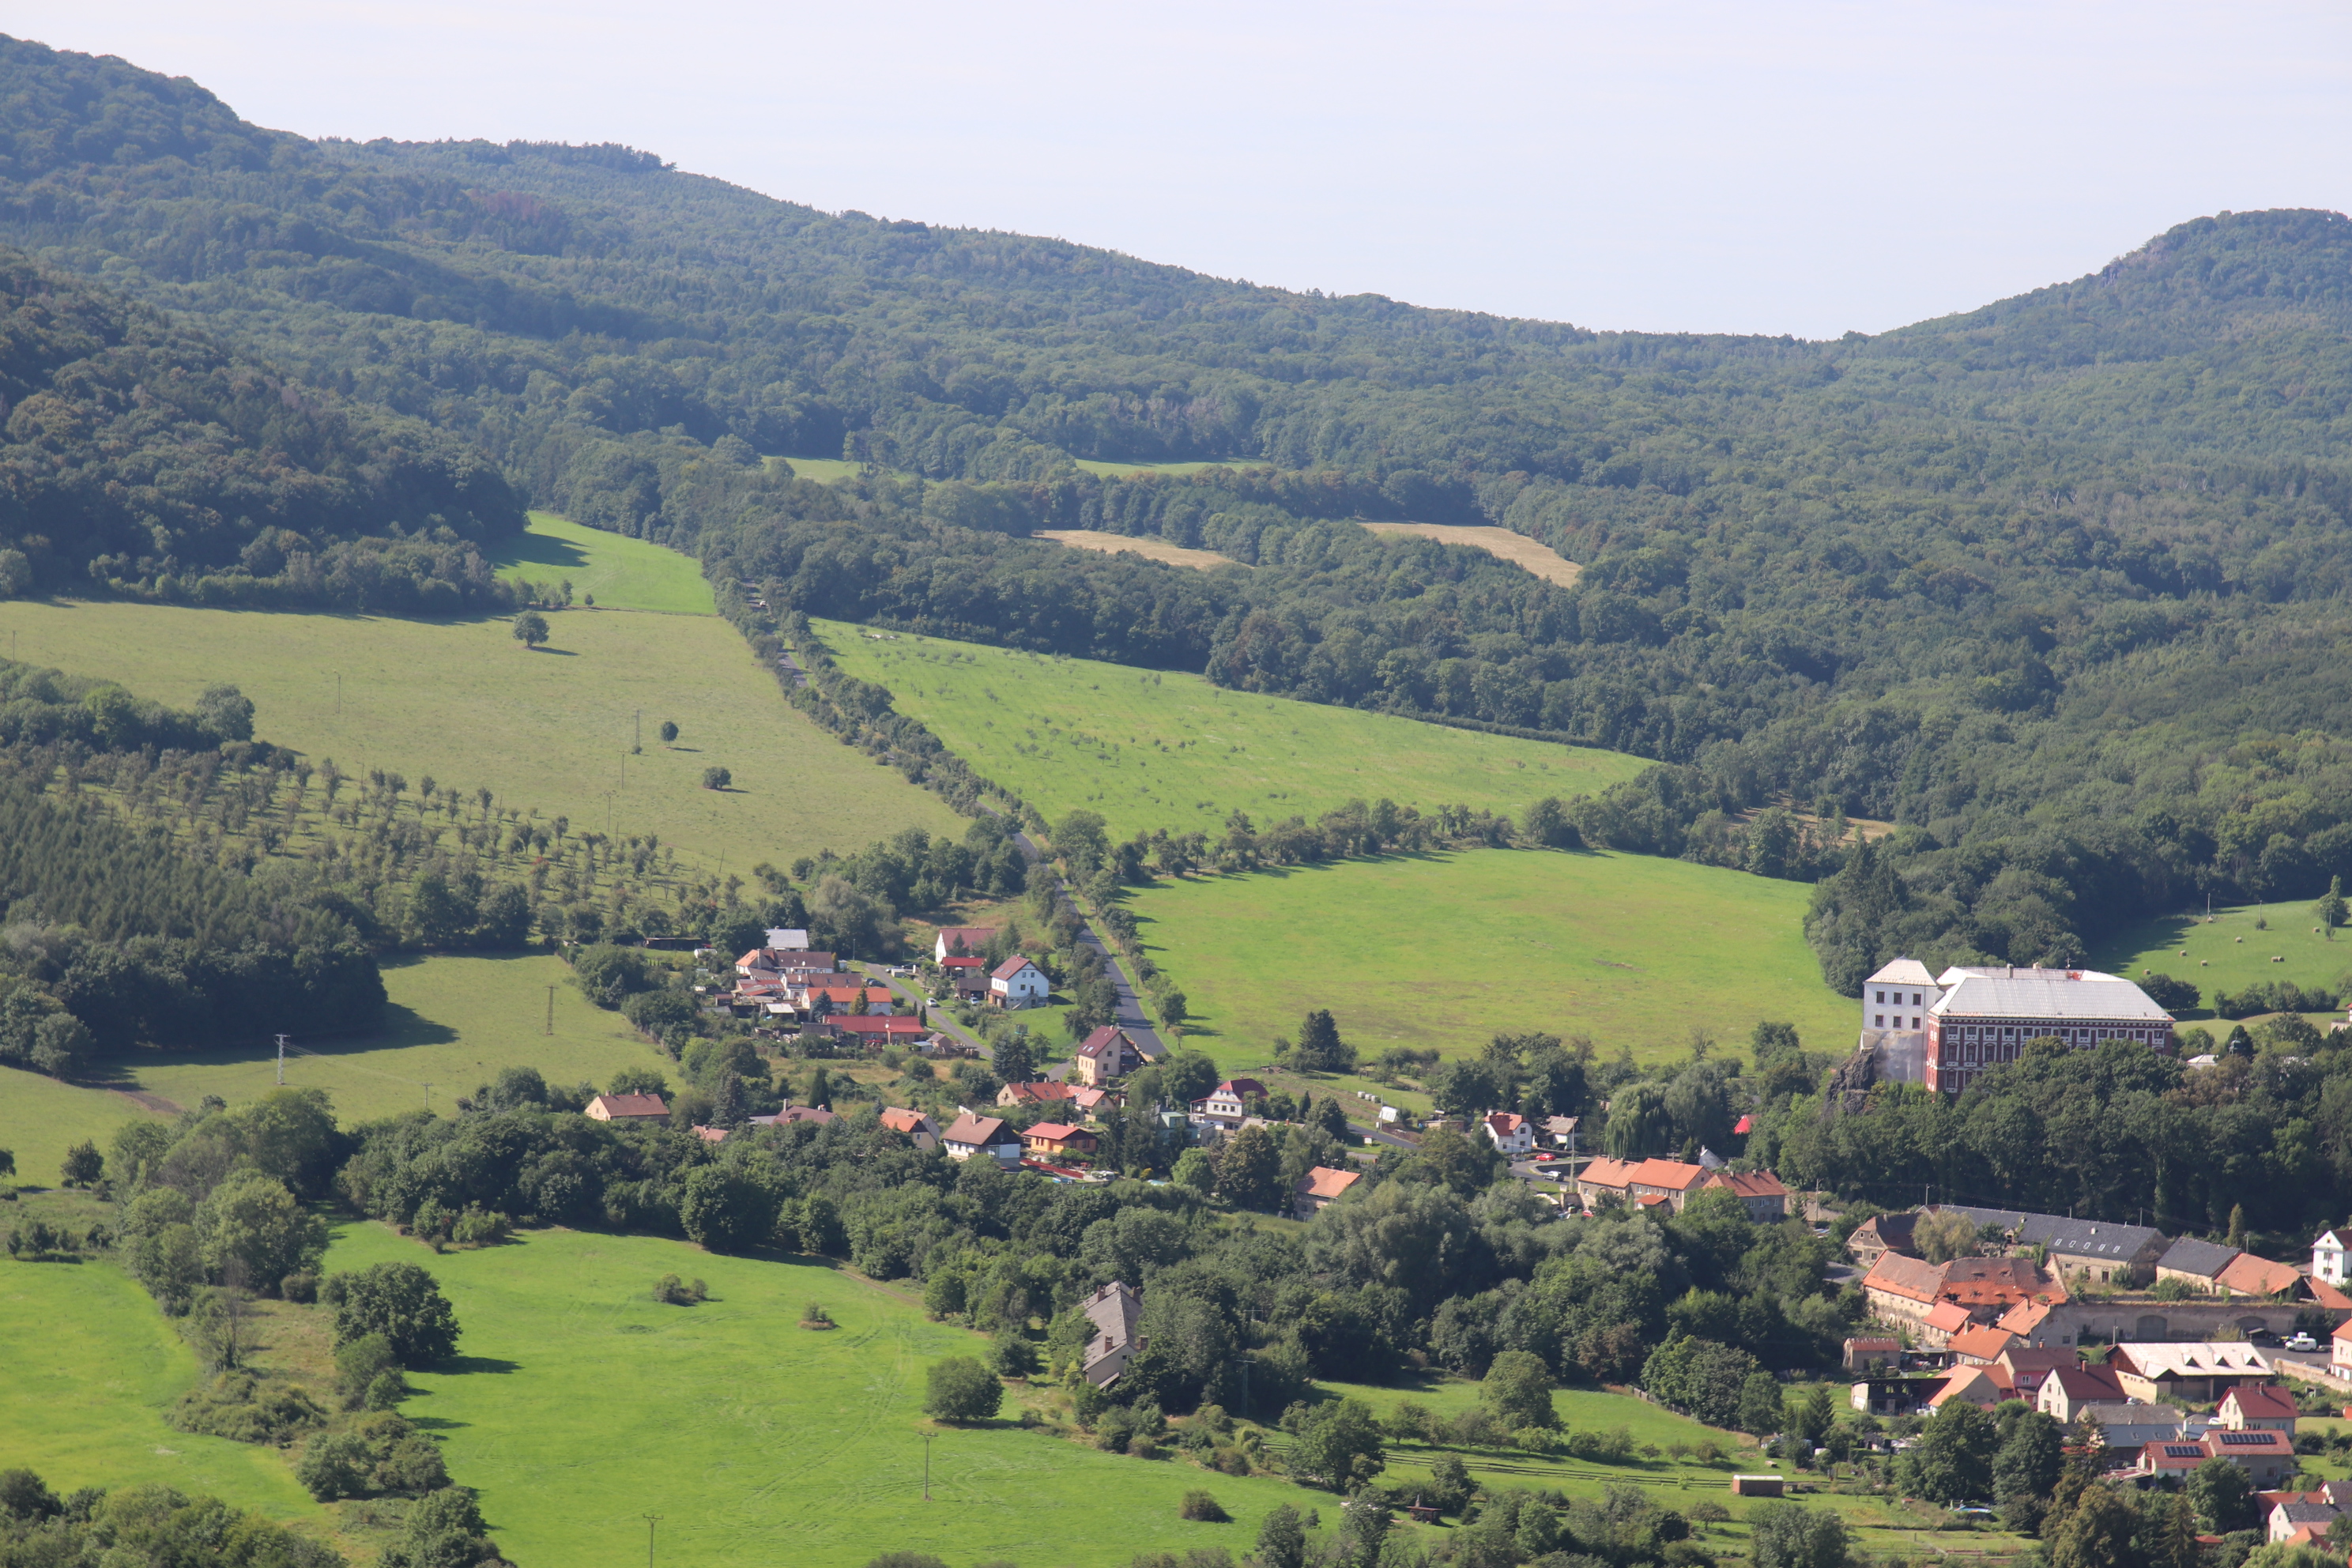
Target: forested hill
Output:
{"points": [[147, 457], [2059, 584]]}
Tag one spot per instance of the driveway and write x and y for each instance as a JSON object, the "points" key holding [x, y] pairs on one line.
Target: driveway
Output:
{"points": [[1131, 1016], [940, 1020]]}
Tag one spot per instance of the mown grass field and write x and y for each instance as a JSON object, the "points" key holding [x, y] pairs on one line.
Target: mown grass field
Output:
{"points": [[463, 701], [622, 573], [1163, 749], [92, 1365], [1444, 951], [453, 1023], [580, 1404], [2234, 952]]}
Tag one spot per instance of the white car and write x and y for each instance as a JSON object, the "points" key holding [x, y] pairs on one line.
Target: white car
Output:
{"points": [[2302, 1343]]}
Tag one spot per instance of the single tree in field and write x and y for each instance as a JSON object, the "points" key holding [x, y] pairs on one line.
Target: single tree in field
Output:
{"points": [[1249, 1170], [399, 1300], [530, 628], [2331, 909], [961, 1389], [668, 732], [1518, 1390], [1319, 1048], [82, 1164], [716, 778]]}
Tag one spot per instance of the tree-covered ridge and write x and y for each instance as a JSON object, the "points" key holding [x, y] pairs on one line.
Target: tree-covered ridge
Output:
{"points": [[150, 458], [2034, 581]]}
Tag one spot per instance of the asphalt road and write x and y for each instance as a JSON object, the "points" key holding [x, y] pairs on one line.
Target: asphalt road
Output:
{"points": [[1131, 1016]]}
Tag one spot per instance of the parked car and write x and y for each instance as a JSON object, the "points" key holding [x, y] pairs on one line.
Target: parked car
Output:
{"points": [[904, 971], [2302, 1342]]}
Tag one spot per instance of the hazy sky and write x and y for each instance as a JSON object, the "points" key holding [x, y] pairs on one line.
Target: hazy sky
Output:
{"points": [[1801, 167]]}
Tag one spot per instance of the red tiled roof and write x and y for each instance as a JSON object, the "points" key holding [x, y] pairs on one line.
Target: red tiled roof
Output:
{"points": [[619, 1106], [1011, 967], [1322, 1181], [710, 1134], [962, 961], [1913, 1278], [974, 937], [877, 1023], [898, 1119], [1985, 1342], [1505, 1122], [1948, 1316], [1750, 1184], [1607, 1173], [2261, 1401], [2252, 1275], [1061, 1132]]}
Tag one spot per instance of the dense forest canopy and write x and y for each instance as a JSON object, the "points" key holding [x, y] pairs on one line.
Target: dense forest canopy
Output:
{"points": [[2058, 586]]}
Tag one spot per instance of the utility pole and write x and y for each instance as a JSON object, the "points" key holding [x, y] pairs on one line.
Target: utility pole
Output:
{"points": [[282, 1061], [651, 1519], [927, 1466], [550, 1009], [637, 738], [429, 1097], [339, 694]]}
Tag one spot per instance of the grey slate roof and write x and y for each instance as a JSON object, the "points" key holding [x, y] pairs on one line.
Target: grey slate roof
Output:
{"points": [[2073, 1237], [2017, 996], [2203, 1258]]}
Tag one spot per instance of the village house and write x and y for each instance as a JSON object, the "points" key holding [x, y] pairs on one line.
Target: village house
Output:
{"points": [[960, 941], [1672, 1184], [2127, 1426], [1558, 1133], [967, 980], [710, 1134], [919, 1128], [1761, 1193], [2267, 1457], [638, 1108], [1319, 1188], [2197, 1264], [1873, 1238], [1013, 1096], [2176, 1456], [1059, 1140], [1939, 1300], [873, 1030], [2028, 1367], [969, 1134], [1016, 983], [1107, 1055], [787, 939], [2328, 1259], [1114, 1310], [2098, 1251], [2259, 1407], [1980, 1345], [1093, 1102], [2198, 1371], [2297, 1523], [1981, 1386], [1862, 1351], [2068, 1389], [1513, 1135], [2339, 1348], [1224, 1106], [816, 1115]]}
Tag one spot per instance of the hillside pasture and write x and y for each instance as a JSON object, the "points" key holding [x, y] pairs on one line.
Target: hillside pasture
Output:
{"points": [[1152, 749], [92, 1364], [579, 1405], [621, 573], [2231, 953], [462, 700], [1501, 542], [453, 1023], [1443, 950]]}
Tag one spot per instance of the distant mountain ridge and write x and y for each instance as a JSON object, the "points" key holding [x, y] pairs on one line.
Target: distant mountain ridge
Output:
{"points": [[1957, 576]]}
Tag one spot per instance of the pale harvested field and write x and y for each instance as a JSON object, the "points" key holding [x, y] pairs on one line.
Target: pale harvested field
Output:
{"points": [[1150, 549], [1516, 548]]}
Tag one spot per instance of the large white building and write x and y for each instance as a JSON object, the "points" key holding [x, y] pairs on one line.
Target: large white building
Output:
{"points": [[1943, 1030]]}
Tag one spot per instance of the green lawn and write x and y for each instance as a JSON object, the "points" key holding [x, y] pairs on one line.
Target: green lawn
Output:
{"points": [[2230, 954], [580, 1405], [461, 700], [621, 573], [453, 1023], [92, 1365], [1161, 749], [1445, 950]]}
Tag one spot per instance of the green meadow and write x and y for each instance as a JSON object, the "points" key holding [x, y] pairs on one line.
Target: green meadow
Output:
{"points": [[579, 1405], [1163, 749], [2233, 950], [1444, 951], [620, 572], [452, 1024], [92, 1365], [463, 701]]}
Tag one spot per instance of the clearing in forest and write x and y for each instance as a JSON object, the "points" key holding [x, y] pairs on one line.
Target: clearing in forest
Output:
{"points": [[580, 1404], [2232, 951], [618, 571], [1501, 542], [1444, 951], [1152, 749], [1151, 547], [551, 730], [452, 1024]]}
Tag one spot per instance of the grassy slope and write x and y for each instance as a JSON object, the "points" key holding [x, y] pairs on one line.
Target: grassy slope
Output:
{"points": [[463, 701], [453, 1023], [582, 1405], [622, 573], [90, 1366], [1269, 756], [1444, 949], [2230, 955]]}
